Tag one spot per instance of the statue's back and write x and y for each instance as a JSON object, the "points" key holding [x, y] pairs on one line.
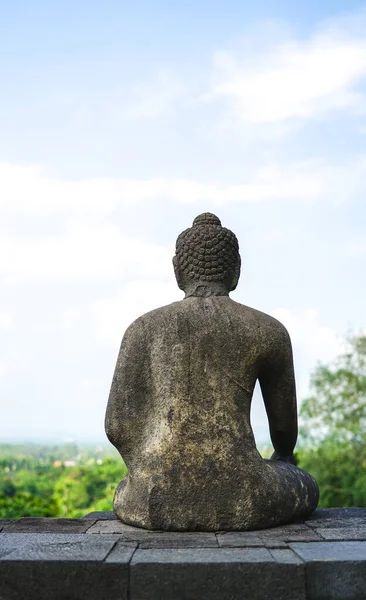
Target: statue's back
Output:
{"points": [[179, 409]]}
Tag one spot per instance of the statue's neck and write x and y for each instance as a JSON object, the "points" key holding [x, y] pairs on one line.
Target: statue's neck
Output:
{"points": [[205, 289]]}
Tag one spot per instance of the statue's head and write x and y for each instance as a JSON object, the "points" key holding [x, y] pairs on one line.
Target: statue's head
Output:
{"points": [[207, 254]]}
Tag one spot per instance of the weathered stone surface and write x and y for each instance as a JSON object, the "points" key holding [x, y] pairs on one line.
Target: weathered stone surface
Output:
{"points": [[179, 540], [214, 574], [276, 537], [179, 407], [36, 566], [63, 567], [9, 542], [285, 556], [122, 552], [334, 518], [12, 541], [334, 570], [155, 539], [329, 551], [240, 539], [117, 527], [337, 523], [92, 548], [341, 514], [290, 533], [4, 523], [46, 580], [274, 543], [101, 515], [6, 548], [46, 525], [343, 533]]}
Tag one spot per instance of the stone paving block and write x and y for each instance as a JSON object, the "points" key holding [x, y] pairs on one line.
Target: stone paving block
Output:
{"points": [[63, 580], [336, 513], [155, 539], [272, 543], [202, 555], [70, 549], [183, 565], [269, 538], [285, 556], [330, 551], [239, 539], [343, 533], [334, 518], [45, 525], [338, 524], [101, 515], [4, 523], [122, 552], [179, 540], [65, 567], [290, 533], [117, 527], [11, 541], [334, 570], [277, 542], [214, 574]]}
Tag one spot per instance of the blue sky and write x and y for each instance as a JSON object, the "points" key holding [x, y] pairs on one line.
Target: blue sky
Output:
{"points": [[119, 123]]}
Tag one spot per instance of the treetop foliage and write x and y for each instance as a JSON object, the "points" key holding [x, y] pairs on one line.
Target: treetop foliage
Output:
{"points": [[337, 405]]}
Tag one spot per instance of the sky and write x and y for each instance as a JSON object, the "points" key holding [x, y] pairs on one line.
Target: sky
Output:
{"points": [[122, 121]]}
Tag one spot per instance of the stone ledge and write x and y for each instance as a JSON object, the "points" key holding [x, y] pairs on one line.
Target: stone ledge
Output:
{"points": [[103, 559]]}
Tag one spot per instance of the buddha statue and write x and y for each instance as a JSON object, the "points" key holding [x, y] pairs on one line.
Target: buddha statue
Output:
{"points": [[179, 406]]}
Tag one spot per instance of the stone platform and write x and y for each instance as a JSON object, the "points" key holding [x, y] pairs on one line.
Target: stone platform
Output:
{"points": [[99, 558]]}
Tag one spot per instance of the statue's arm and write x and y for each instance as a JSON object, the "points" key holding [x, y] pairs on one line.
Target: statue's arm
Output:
{"points": [[277, 381], [124, 415]]}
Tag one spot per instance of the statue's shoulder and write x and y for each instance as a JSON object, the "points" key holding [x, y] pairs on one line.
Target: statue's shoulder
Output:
{"points": [[264, 323], [147, 320]]}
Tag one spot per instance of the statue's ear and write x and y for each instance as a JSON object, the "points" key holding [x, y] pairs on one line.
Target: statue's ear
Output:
{"points": [[236, 274], [177, 273]]}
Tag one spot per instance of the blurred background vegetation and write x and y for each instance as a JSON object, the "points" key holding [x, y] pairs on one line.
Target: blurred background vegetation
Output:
{"points": [[69, 481], [60, 481], [332, 442]]}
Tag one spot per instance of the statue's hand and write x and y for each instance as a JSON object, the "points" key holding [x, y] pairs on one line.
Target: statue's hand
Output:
{"points": [[288, 459]]}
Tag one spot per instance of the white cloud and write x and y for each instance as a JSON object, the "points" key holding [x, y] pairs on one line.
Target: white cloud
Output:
{"points": [[28, 190], [112, 316], [312, 342], [31, 190], [82, 253], [3, 370], [70, 318], [6, 320], [358, 248], [153, 99], [79, 248], [294, 79]]}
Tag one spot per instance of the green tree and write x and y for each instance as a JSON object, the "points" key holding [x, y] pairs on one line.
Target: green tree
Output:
{"points": [[70, 493], [339, 469], [333, 428], [337, 405], [25, 504], [34, 482]]}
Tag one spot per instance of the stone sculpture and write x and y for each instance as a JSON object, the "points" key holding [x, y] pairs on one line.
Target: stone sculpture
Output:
{"points": [[179, 406]]}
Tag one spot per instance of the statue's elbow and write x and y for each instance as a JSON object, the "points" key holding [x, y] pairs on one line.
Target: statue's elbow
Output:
{"points": [[110, 430]]}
